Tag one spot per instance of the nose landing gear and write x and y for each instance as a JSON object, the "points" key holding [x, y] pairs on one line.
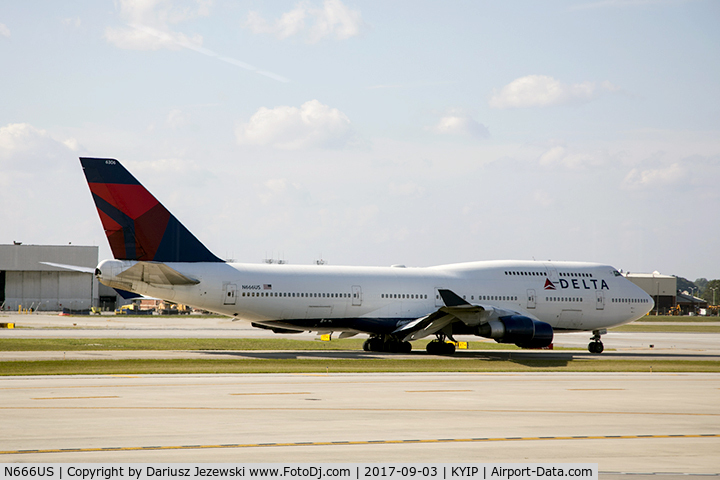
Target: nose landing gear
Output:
{"points": [[596, 346]]}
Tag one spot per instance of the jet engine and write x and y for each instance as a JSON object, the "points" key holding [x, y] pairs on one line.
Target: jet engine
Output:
{"points": [[522, 331]]}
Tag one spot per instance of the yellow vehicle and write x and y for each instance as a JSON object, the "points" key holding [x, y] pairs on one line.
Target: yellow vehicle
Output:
{"points": [[132, 309], [169, 308]]}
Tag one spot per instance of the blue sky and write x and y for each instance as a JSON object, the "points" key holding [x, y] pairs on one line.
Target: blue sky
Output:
{"points": [[375, 133]]}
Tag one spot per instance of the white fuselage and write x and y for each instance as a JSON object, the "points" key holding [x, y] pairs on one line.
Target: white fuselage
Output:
{"points": [[566, 295]]}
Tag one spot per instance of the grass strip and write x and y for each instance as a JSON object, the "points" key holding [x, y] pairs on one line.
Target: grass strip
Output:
{"points": [[324, 366], [78, 344], [676, 319], [639, 327]]}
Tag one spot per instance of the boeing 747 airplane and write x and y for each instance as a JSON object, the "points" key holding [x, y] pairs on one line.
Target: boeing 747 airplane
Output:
{"points": [[515, 302]]}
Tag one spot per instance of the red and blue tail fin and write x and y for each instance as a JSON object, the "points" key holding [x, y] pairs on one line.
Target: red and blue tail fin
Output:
{"points": [[137, 226]]}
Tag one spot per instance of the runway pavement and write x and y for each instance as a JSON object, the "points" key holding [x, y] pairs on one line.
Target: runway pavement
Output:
{"points": [[642, 423]]}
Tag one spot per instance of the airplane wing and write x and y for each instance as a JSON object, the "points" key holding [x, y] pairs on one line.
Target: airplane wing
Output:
{"points": [[156, 274], [456, 309]]}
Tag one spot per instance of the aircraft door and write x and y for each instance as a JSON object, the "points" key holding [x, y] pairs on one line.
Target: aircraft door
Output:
{"points": [[531, 299], [356, 295], [599, 300], [229, 294], [552, 272]]}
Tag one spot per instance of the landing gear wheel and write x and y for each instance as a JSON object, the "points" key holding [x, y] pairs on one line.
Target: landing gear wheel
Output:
{"points": [[437, 347], [595, 347], [373, 344]]}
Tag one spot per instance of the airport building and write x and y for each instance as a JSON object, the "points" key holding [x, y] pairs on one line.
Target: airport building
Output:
{"points": [[663, 289], [26, 283]]}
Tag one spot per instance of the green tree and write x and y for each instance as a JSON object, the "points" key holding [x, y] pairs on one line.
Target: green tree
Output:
{"points": [[685, 285], [701, 283], [708, 293]]}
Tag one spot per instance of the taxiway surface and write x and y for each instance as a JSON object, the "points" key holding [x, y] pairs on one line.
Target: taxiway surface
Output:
{"points": [[625, 422]]}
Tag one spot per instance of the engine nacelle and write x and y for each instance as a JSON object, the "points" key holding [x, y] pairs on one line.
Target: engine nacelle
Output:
{"points": [[522, 331]]}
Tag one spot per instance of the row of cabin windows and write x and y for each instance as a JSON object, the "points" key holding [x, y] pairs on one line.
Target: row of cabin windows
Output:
{"points": [[423, 297], [563, 299], [575, 274], [410, 296], [301, 295], [630, 300], [544, 274], [494, 297]]}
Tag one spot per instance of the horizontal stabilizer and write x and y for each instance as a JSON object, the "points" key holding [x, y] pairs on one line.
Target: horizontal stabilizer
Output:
{"points": [[74, 268], [156, 274], [127, 295]]}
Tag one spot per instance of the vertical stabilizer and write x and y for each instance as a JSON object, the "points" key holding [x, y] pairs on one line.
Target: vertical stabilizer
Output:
{"points": [[137, 226]]}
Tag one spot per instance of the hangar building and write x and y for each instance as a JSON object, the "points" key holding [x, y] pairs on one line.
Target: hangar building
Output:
{"points": [[26, 282], [663, 289]]}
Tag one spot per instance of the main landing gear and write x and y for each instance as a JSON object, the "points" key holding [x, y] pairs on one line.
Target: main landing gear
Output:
{"points": [[440, 347], [386, 344], [596, 346]]}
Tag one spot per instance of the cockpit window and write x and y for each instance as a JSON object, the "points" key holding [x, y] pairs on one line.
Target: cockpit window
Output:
{"points": [[616, 273]]}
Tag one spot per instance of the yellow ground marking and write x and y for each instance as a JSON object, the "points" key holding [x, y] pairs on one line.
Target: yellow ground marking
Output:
{"points": [[365, 409], [436, 391], [273, 393], [592, 389], [73, 398], [356, 442]]}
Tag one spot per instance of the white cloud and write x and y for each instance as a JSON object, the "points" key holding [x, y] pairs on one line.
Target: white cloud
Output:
{"points": [[42, 188], [313, 125], [560, 156], [72, 144], [280, 190], [407, 189], [544, 91], [459, 124], [23, 146], [290, 23], [639, 178], [72, 22], [149, 21], [334, 19], [4, 30], [543, 198], [176, 118], [148, 27]]}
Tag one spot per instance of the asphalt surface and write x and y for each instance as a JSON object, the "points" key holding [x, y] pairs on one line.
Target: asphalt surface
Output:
{"points": [[639, 422]]}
